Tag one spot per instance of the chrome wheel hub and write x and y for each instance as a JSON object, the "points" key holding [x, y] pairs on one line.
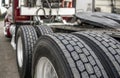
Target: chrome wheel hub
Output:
{"points": [[20, 52], [45, 69]]}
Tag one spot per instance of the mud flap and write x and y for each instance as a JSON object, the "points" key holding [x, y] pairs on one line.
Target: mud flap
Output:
{"points": [[115, 17], [12, 31], [13, 42], [99, 19]]}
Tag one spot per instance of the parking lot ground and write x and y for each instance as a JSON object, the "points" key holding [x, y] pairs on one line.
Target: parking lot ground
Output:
{"points": [[8, 67]]}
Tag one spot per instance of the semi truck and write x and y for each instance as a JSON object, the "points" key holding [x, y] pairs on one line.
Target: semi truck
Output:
{"points": [[2, 10], [53, 39]]}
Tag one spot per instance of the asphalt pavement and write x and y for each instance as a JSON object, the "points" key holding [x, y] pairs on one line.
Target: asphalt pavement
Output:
{"points": [[8, 66]]}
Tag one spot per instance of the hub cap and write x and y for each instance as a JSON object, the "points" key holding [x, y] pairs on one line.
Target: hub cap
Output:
{"points": [[20, 52], [45, 69]]}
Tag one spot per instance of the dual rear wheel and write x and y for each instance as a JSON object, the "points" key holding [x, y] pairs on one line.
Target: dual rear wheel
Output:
{"points": [[81, 55], [26, 38]]}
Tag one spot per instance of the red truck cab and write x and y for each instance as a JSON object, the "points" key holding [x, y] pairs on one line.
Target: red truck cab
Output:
{"points": [[12, 17], [16, 13]]}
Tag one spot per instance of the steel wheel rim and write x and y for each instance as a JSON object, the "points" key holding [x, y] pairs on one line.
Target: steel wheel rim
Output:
{"points": [[45, 69], [20, 52]]}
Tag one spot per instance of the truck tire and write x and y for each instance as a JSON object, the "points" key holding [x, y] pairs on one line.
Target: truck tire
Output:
{"points": [[107, 50], [65, 56], [26, 38], [42, 30]]}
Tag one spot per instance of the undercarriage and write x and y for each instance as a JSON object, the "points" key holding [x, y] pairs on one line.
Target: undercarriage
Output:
{"points": [[52, 40]]}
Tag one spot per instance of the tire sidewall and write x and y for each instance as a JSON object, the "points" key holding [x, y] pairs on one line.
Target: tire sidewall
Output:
{"points": [[21, 69], [49, 50]]}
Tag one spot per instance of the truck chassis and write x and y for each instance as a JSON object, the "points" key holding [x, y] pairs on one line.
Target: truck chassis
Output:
{"points": [[52, 41]]}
